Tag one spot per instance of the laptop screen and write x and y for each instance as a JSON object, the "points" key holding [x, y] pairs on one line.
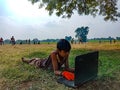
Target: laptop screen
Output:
{"points": [[86, 67]]}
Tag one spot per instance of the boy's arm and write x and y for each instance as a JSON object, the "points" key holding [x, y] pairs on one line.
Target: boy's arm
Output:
{"points": [[55, 64], [67, 66]]}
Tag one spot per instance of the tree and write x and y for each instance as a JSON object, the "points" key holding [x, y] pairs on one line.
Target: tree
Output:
{"points": [[68, 38], [81, 33], [66, 8]]}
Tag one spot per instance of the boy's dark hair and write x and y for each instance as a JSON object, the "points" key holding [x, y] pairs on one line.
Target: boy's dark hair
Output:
{"points": [[63, 44]]}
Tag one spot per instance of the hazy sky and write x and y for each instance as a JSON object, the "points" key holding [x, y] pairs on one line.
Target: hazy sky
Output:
{"points": [[21, 19]]}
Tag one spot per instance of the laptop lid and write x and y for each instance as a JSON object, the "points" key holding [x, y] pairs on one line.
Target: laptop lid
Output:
{"points": [[86, 67]]}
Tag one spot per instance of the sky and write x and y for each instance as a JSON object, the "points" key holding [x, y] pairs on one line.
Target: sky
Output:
{"points": [[21, 19]]}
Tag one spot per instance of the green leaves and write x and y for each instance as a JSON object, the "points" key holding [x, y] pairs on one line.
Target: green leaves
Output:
{"points": [[81, 33], [65, 8]]}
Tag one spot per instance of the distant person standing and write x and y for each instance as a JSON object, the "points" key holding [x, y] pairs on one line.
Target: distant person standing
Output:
{"points": [[13, 40], [26, 41], [1, 41], [29, 41], [114, 40]]}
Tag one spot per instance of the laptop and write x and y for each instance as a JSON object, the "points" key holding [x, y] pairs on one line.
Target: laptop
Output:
{"points": [[86, 69]]}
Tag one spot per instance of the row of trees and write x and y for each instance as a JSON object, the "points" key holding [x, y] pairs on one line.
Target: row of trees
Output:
{"points": [[81, 35], [69, 38], [108, 38]]}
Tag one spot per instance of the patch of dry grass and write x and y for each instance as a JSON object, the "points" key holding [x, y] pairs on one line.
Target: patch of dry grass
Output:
{"points": [[97, 46]]}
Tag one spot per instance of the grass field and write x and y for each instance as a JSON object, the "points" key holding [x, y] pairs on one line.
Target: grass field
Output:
{"points": [[16, 75]]}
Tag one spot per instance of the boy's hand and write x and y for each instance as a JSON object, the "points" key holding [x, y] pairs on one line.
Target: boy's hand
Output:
{"points": [[68, 75]]}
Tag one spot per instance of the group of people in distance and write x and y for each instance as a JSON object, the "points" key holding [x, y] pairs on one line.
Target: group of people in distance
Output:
{"points": [[12, 41]]}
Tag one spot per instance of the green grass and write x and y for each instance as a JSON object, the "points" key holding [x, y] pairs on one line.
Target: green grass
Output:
{"points": [[110, 64], [16, 75]]}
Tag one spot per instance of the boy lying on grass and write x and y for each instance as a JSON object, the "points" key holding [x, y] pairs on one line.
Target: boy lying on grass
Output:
{"points": [[56, 60]]}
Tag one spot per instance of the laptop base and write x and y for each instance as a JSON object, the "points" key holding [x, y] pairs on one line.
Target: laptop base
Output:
{"points": [[71, 84], [66, 82]]}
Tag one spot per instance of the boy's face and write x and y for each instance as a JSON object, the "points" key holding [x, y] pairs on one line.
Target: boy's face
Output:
{"points": [[63, 53]]}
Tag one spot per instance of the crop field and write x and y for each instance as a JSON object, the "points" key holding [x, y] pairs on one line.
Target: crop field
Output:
{"points": [[16, 75]]}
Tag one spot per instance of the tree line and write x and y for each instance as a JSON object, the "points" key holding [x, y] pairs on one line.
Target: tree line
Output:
{"points": [[80, 35], [69, 38]]}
